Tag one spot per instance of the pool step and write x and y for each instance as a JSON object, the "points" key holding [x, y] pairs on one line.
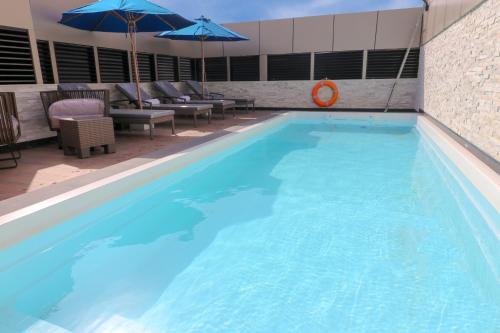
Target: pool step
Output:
{"points": [[13, 321], [118, 323]]}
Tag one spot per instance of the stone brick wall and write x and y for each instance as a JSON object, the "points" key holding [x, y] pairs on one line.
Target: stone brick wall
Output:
{"points": [[353, 94], [459, 77]]}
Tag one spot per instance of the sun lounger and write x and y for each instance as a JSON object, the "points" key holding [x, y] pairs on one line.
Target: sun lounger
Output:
{"points": [[193, 110], [244, 102], [168, 91]]}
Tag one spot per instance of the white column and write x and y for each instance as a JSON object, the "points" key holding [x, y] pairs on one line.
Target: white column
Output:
{"points": [[36, 58], [312, 66], [263, 67], [97, 67], [53, 61], [365, 63]]}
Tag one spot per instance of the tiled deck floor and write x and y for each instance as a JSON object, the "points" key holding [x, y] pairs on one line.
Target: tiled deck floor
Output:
{"points": [[46, 165]]}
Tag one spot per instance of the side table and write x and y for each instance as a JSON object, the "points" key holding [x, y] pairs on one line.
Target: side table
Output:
{"points": [[83, 134]]}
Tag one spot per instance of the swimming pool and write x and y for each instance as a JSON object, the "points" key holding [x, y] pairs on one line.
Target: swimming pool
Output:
{"points": [[314, 223]]}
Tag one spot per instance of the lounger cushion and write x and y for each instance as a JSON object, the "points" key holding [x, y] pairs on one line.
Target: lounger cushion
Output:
{"points": [[144, 114], [75, 109], [187, 107], [130, 91], [153, 101]]}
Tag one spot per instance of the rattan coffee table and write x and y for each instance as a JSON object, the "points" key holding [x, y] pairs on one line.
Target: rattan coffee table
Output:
{"points": [[81, 135]]}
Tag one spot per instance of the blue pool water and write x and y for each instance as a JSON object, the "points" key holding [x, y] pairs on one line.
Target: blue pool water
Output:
{"points": [[314, 226]]}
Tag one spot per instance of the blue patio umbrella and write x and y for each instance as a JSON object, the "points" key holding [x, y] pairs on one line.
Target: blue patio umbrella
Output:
{"points": [[204, 30], [125, 16]]}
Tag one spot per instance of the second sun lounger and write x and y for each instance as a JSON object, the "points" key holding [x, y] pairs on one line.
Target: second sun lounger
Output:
{"points": [[168, 90], [245, 102], [194, 110]]}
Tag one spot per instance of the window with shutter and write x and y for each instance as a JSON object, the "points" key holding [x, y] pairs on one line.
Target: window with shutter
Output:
{"points": [[289, 67], [245, 68], [384, 64], [216, 69], [338, 65], [167, 67], [147, 70], [16, 61], [113, 65], [45, 61], [186, 69], [75, 63]]}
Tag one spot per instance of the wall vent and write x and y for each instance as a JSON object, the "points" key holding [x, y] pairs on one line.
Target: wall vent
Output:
{"points": [[384, 64], [16, 61], [289, 67], [346, 65], [245, 68], [186, 69], [45, 61], [75, 63], [147, 72], [113, 65], [167, 67]]}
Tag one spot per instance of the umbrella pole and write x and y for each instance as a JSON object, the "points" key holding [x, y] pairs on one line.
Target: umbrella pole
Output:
{"points": [[202, 70], [133, 45]]}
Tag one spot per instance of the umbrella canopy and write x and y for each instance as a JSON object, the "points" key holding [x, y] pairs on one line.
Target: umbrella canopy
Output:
{"points": [[126, 16], [203, 30], [115, 16]]}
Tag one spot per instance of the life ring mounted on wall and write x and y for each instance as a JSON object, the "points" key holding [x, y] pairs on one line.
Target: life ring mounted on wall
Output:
{"points": [[325, 83]]}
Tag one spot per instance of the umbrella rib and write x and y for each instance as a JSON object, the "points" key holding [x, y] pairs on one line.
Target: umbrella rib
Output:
{"points": [[119, 16], [71, 18], [166, 22], [100, 22]]}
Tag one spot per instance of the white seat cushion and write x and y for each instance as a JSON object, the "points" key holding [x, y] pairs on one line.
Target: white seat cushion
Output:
{"points": [[78, 108]]}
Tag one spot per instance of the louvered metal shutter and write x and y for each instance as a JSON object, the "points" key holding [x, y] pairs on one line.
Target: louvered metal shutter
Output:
{"points": [[16, 62], [216, 69], [45, 61], [75, 63], [245, 68], [186, 69], [113, 65], [146, 67], [167, 67], [289, 67], [338, 65], [384, 64]]}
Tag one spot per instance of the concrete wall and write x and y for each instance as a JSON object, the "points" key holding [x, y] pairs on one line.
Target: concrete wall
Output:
{"points": [[443, 13], [460, 72]]}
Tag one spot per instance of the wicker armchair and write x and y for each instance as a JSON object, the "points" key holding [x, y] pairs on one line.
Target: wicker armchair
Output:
{"points": [[10, 128], [50, 97]]}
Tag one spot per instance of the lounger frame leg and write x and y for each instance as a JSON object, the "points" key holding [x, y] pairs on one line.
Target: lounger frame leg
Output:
{"points": [[12, 151], [195, 120], [150, 130], [173, 126]]}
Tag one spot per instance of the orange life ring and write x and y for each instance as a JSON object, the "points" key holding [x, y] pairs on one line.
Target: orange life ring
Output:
{"points": [[318, 86]]}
